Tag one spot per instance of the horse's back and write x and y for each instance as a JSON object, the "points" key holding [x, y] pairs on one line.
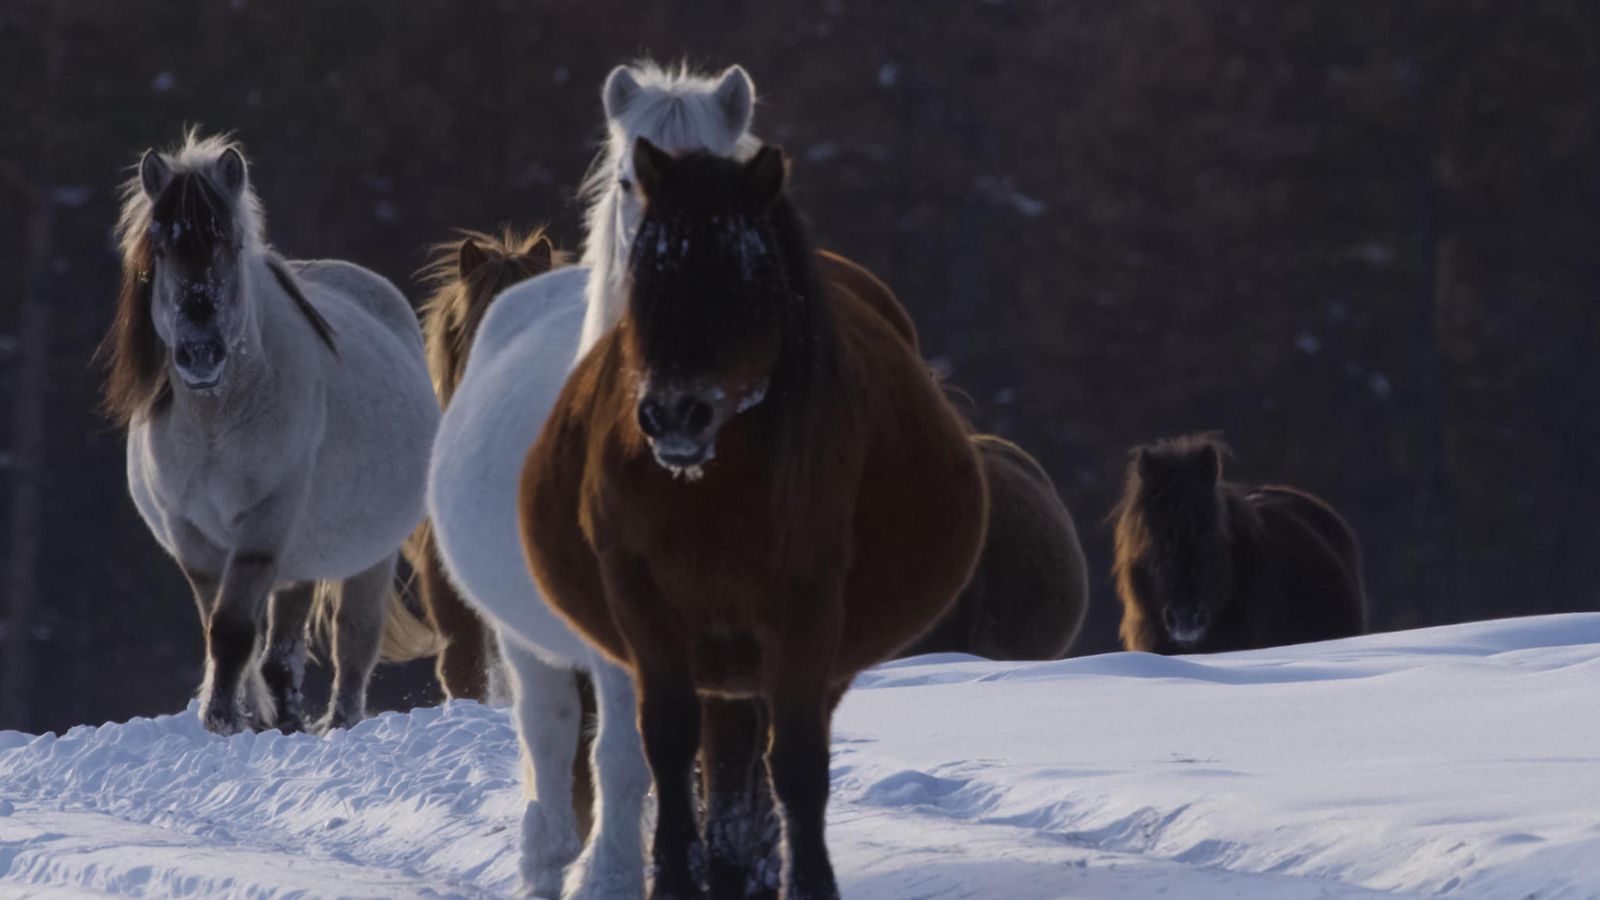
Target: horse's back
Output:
{"points": [[847, 277], [1321, 558], [1029, 593], [515, 311], [380, 416], [366, 289]]}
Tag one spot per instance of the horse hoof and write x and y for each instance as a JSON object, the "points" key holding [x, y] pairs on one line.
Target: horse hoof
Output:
{"points": [[331, 721], [224, 721], [549, 845], [598, 875], [291, 725]]}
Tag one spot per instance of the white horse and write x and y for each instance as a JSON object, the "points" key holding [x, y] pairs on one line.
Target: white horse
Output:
{"points": [[530, 338], [279, 421]]}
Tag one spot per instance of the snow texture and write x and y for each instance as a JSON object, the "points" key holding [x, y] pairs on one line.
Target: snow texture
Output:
{"points": [[1461, 761]]}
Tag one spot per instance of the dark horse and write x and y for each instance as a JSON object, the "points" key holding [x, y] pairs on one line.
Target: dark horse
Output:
{"points": [[1204, 565], [843, 512], [1029, 593]]}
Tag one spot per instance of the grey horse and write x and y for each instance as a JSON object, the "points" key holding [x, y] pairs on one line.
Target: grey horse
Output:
{"points": [[279, 418]]}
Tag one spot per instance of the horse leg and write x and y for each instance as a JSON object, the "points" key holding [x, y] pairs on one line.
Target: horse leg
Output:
{"points": [[800, 702], [285, 666], [583, 797], [460, 668], [740, 826], [231, 640], [547, 716], [612, 864], [358, 611], [669, 721]]}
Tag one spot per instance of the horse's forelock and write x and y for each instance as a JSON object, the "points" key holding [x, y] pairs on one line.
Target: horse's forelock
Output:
{"points": [[802, 393]]}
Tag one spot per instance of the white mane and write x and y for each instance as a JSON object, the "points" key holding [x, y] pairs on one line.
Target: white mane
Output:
{"points": [[677, 110], [194, 154]]}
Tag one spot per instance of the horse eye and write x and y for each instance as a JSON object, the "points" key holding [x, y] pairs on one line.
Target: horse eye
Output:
{"points": [[626, 184]]}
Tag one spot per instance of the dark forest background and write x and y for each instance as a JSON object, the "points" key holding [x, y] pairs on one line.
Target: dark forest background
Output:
{"points": [[1360, 238]]}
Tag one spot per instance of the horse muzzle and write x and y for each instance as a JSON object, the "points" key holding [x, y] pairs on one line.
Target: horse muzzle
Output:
{"points": [[681, 426], [1186, 626], [200, 363]]}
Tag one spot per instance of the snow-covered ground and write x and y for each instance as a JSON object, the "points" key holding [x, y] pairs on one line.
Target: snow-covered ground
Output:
{"points": [[1460, 762]]}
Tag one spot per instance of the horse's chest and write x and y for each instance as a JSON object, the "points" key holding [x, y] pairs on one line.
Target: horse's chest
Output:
{"points": [[206, 481], [711, 544]]}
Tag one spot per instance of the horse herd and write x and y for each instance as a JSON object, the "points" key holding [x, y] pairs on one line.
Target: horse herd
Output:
{"points": [[689, 486]]}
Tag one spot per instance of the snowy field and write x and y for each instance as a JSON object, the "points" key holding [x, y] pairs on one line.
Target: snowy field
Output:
{"points": [[1456, 762]]}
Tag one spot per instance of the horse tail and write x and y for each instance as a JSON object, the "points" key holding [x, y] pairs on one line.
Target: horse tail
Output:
{"points": [[406, 635]]}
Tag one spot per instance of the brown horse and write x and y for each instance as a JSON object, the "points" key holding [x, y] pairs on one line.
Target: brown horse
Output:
{"points": [[1204, 565], [841, 514], [467, 274]]}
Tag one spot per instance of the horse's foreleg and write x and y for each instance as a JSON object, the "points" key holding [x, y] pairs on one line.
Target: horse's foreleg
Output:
{"points": [[669, 722], [741, 830], [231, 638], [285, 665], [548, 716], [800, 702], [612, 864], [357, 631]]}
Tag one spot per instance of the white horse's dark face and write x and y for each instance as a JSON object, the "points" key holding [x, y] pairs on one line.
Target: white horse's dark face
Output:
{"points": [[196, 292]]}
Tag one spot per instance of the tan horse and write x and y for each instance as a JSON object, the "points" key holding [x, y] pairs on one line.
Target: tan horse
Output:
{"points": [[750, 488]]}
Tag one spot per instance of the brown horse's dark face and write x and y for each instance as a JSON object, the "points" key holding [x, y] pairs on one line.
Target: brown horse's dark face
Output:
{"points": [[706, 323], [1190, 563]]}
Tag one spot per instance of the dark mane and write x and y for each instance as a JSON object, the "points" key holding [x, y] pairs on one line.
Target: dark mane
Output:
{"points": [[452, 313], [286, 280], [709, 267]]}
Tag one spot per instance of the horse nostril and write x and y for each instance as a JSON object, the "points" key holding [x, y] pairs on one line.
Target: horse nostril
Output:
{"points": [[203, 354], [1169, 617], [695, 415], [650, 417]]}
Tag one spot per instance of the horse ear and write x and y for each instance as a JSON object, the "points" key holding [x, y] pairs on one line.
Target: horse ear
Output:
{"points": [[649, 164], [736, 98], [621, 87], [764, 173], [154, 174], [541, 255], [1211, 459], [469, 257], [230, 170], [1141, 458]]}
